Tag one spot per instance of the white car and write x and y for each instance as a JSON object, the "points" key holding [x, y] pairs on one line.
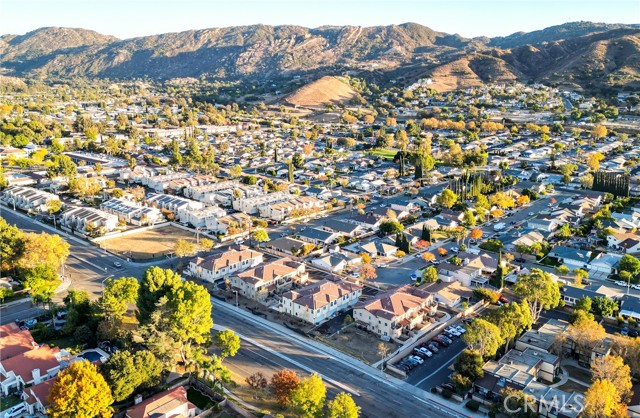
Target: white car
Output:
{"points": [[635, 286], [460, 329], [426, 352], [117, 264], [355, 275], [455, 249], [16, 410], [621, 283], [416, 359]]}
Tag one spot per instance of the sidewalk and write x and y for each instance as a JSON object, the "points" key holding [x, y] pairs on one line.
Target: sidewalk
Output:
{"points": [[437, 402]]}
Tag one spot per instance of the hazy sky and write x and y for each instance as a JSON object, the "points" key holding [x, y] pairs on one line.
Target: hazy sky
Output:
{"points": [[130, 18]]}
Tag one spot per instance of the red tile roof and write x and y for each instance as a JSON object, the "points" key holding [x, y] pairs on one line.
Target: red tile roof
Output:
{"points": [[160, 404], [43, 358], [14, 341]]}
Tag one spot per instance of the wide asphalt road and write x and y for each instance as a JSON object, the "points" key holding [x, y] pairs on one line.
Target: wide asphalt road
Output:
{"points": [[273, 349]]}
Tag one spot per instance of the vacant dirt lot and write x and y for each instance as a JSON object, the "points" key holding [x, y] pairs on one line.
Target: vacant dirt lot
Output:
{"points": [[358, 343], [147, 244]]}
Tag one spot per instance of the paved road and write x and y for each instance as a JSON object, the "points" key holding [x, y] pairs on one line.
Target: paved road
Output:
{"points": [[378, 396]]}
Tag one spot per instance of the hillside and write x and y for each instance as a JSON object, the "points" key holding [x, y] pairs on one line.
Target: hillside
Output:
{"points": [[326, 90], [403, 52]]}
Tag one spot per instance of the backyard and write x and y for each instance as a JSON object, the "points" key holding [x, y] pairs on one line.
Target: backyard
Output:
{"points": [[151, 243], [387, 154]]}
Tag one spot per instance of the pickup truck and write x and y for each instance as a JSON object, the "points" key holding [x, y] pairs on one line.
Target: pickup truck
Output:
{"points": [[499, 226]]}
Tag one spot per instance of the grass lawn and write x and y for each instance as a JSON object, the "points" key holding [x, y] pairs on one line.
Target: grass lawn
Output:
{"points": [[60, 341], [8, 402], [384, 153], [550, 262], [198, 399]]}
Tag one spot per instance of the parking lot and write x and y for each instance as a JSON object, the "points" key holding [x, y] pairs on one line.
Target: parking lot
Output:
{"points": [[435, 370]]}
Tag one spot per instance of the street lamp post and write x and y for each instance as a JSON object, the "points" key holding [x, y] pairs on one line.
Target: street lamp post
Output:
{"points": [[104, 280], [236, 292]]}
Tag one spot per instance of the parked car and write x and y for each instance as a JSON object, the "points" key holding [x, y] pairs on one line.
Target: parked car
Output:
{"points": [[461, 329], [433, 347], [621, 283], [441, 341], [633, 333], [445, 338], [424, 351], [416, 359], [117, 264], [633, 286], [503, 299], [624, 331], [455, 249], [15, 410]]}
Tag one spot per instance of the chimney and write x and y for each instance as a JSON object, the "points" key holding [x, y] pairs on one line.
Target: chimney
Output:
{"points": [[137, 399], [36, 374]]}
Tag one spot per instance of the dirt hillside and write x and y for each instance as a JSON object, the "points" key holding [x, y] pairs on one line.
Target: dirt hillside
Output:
{"points": [[323, 91]]}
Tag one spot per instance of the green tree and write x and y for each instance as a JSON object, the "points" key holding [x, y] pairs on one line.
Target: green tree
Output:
{"points": [[483, 336], [297, 160], [391, 227], [512, 319], [61, 165], [11, 245], [604, 306], [469, 219], [307, 399], [469, 363], [42, 282], [156, 283], [430, 275], [540, 290], [125, 372], [117, 294], [53, 206], [235, 171], [260, 235], [80, 391], [228, 342], [447, 198], [564, 232], [190, 318], [342, 406]]}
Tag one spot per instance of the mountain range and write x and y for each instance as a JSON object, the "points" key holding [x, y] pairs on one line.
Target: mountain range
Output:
{"points": [[582, 54]]}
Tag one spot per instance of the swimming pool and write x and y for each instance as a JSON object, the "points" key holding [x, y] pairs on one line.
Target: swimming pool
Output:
{"points": [[91, 356]]}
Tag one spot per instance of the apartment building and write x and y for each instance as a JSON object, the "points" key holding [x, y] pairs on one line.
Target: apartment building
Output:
{"points": [[79, 218], [131, 212], [394, 312], [28, 198], [267, 279], [317, 302], [206, 217], [178, 205], [222, 265], [250, 205]]}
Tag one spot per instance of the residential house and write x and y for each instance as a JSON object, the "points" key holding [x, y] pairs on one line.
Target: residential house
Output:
{"points": [[24, 362], [377, 248], [395, 312], [366, 221], [36, 397], [604, 263], [450, 294], [630, 307], [571, 294], [542, 223], [28, 198], [573, 258], [318, 237], [79, 218], [318, 302], [469, 276], [222, 265], [628, 242], [171, 403], [267, 279], [340, 227], [285, 245], [293, 207], [336, 261], [524, 238]]}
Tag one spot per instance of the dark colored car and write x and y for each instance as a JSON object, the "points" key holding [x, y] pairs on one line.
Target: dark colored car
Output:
{"points": [[448, 386], [433, 347], [503, 299], [633, 333]]}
